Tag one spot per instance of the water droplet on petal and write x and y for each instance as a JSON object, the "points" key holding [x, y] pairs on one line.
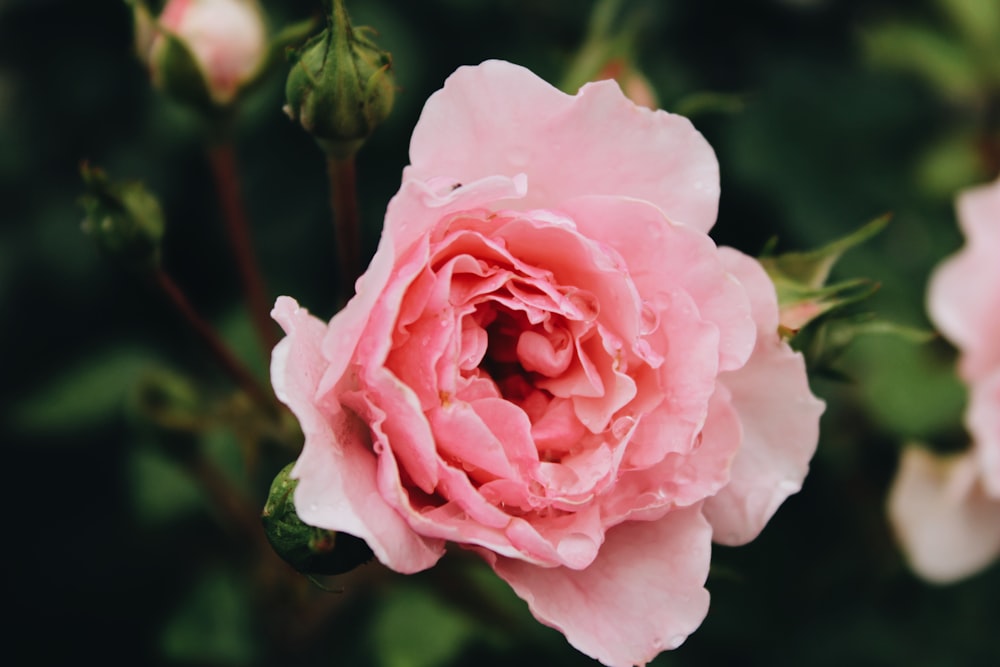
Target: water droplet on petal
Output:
{"points": [[586, 305], [577, 549], [622, 426], [686, 474], [676, 641], [649, 319]]}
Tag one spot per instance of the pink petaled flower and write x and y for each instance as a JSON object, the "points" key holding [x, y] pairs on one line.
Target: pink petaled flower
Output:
{"points": [[946, 511], [226, 37], [549, 362]]}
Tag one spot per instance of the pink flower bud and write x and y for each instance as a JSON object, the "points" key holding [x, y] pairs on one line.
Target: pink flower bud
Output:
{"points": [[226, 39]]}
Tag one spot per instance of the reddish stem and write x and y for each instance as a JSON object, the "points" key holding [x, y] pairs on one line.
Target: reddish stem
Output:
{"points": [[222, 159], [346, 221], [236, 370]]}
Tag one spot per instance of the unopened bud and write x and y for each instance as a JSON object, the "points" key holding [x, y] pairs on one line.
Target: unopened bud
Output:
{"points": [[124, 219], [202, 52], [308, 549], [340, 87]]}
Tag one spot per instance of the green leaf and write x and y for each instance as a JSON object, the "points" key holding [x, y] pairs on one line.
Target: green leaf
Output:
{"points": [[703, 102], [979, 23], [85, 396], [415, 629], [213, 625], [824, 344], [908, 388], [810, 270], [941, 60], [161, 490], [951, 164]]}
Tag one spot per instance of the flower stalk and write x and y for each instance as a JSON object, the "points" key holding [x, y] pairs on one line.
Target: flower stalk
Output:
{"points": [[222, 158], [346, 221], [219, 350]]}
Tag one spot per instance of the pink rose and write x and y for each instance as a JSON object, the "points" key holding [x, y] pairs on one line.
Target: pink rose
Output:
{"points": [[549, 362], [946, 511], [226, 37]]}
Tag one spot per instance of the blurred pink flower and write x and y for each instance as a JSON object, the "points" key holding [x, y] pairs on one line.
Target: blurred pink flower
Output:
{"points": [[549, 362], [946, 511], [226, 37]]}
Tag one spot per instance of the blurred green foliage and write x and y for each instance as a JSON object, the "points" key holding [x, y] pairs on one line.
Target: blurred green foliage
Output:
{"points": [[824, 114]]}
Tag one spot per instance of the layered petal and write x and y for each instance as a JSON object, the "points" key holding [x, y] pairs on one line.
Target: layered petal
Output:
{"points": [[337, 487], [518, 123], [643, 594], [779, 414]]}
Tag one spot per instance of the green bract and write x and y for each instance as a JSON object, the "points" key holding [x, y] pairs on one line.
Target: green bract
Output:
{"points": [[340, 87], [308, 549], [124, 219]]}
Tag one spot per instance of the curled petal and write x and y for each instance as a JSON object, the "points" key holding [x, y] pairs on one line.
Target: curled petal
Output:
{"points": [[644, 592], [337, 487], [948, 527], [970, 318], [779, 414], [518, 123]]}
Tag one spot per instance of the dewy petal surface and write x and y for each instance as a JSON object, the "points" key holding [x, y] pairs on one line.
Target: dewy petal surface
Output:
{"points": [[499, 118], [779, 414], [643, 594], [337, 487]]}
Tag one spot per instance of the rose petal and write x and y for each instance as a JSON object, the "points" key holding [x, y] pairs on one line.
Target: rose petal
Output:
{"points": [[661, 256], [409, 217], [948, 527], [518, 123], [983, 418], [970, 317], [337, 487], [642, 594], [680, 479], [779, 414]]}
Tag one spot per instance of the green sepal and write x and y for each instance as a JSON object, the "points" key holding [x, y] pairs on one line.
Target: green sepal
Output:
{"points": [[800, 279], [124, 219], [290, 37], [308, 549], [177, 72], [823, 344], [340, 86], [812, 268]]}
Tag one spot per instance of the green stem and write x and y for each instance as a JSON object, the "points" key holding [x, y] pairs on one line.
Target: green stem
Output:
{"points": [[346, 221], [222, 158], [227, 360]]}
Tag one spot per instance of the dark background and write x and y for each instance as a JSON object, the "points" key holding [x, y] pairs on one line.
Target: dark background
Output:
{"points": [[112, 552]]}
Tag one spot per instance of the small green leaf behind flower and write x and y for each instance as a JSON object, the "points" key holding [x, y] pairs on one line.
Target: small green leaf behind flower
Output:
{"points": [[822, 320]]}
